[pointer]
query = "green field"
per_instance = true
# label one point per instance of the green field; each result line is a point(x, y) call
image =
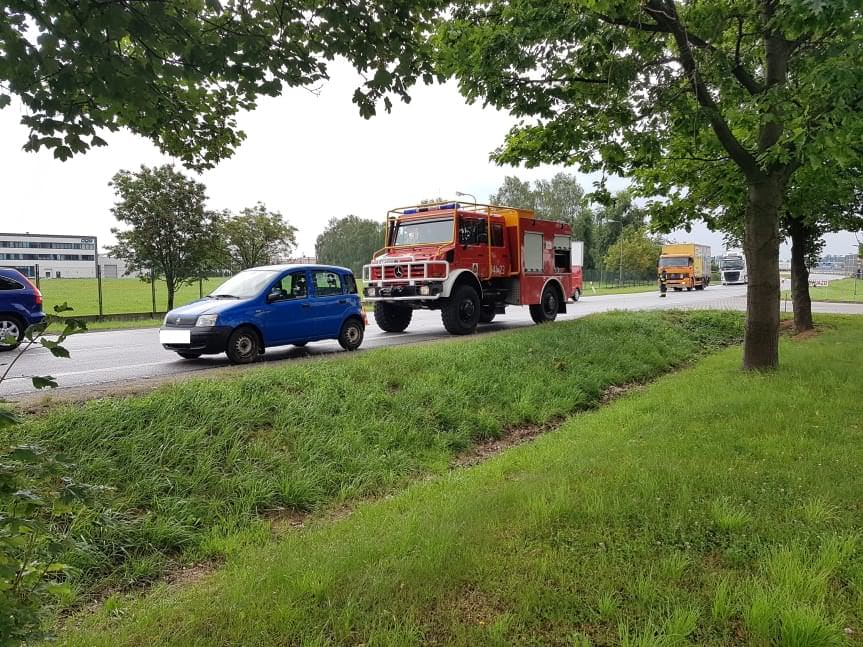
point(710, 508)
point(842, 290)
point(198, 465)
point(589, 291)
point(119, 296)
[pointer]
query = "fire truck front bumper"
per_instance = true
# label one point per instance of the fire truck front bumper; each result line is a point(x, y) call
point(424, 292)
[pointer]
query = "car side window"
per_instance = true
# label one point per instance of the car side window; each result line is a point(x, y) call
point(327, 283)
point(8, 284)
point(351, 284)
point(291, 286)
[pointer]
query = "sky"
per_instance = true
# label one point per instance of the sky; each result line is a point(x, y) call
point(307, 154)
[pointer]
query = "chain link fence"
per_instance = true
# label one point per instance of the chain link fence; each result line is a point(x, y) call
point(602, 279)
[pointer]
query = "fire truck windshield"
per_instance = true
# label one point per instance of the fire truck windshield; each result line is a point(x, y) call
point(423, 232)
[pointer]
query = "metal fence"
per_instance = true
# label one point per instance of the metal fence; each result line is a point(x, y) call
point(614, 279)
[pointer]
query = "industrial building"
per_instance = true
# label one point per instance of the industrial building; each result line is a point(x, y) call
point(52, 256)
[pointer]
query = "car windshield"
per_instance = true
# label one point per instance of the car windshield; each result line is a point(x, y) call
point(680, 261)
point(423, 232)
point(732, 264)
point(244, 285)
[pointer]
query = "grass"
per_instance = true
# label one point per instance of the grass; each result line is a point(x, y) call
point(119, 296)
point(846, 290)
point(196, 465)
point(122, 324)
point(711, 508)
point(588, 291)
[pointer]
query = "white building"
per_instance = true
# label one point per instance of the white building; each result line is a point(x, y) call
point(49, 255)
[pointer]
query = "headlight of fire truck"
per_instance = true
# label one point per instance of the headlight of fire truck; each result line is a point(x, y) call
point(371, 292)
point(425, 290)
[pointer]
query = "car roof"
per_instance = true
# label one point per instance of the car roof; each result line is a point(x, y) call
point(302, 266)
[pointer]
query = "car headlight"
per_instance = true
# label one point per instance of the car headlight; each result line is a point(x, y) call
point(206, 321)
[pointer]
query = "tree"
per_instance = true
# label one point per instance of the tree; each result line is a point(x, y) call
point(615, 214)
point(349, 242)
point(633, 251)
point(257, 236)
point(170, 234)
point(561, 198)
point(824, 199)
point(178, 72)
point(660, 90)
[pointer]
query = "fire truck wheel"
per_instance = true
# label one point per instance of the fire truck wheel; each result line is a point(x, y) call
point(577, 294)
point(486, 315)
point(461, 311)
point(391, 317)
point(546, 310)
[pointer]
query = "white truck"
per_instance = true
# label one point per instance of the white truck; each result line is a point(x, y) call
point(732, 268)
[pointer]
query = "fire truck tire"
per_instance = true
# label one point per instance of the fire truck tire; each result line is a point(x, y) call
point(486, 315)
point(391, 317)
point(546, 310)
point(576, 295)
point(461, 312)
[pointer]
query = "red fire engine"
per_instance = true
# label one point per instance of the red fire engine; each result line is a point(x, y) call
point(471, 262)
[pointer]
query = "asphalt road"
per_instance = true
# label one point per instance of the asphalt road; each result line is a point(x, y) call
point(116, 357)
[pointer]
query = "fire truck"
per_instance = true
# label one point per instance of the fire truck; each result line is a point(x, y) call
point(471, 261)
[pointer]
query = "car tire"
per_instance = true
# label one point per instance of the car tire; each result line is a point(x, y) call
point(186, 355)
point(392, 317)
point(486, 315)
point(11, 326)
point(460, 313)
point(244, 346)
point(351, 335)
point(546, 310)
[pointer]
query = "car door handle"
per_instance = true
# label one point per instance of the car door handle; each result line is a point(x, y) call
point(343, 300)
point(306, 305)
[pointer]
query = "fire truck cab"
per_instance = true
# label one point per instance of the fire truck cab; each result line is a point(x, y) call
point(470, 261)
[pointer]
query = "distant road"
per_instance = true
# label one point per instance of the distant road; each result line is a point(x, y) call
point(102, 359)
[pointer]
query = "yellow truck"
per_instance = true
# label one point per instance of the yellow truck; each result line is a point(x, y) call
point(686, 265)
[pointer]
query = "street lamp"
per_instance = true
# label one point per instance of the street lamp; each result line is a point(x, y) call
point(460, 193)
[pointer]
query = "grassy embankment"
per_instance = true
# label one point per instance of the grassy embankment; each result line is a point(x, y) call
point(197, 465)
point(590, 291)
point(712, 508)
point(846, 290)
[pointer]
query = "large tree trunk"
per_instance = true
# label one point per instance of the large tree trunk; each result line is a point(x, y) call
point(761, 244)
point(801, 241)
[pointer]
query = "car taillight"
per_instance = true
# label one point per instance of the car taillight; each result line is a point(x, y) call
point(36, 290)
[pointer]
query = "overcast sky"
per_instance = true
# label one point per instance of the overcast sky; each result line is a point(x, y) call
point(310, 156)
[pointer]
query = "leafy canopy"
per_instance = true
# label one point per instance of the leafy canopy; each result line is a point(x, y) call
point(178, 72)
point(664, 91)
point(257, 236)
point(349, 242)
point(167, 229)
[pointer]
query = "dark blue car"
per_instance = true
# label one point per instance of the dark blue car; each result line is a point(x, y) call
point(268, 306)
point(20, 307)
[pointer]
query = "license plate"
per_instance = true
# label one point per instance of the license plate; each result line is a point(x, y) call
point(175, 336)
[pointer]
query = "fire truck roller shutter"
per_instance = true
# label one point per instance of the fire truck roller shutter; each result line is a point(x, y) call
point(458, 276)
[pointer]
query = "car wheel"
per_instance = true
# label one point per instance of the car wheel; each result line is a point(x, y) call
point(392, 317)
point(486, 315)
point(186, 355)
point(546, 310)
point(243, 346)
point(351, 335)
point(461, 311)
point(10, 327)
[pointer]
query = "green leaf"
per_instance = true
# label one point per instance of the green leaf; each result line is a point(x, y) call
point(44, 382)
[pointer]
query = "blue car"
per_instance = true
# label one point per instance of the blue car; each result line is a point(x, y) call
point(20, 307)
point(268, 306)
